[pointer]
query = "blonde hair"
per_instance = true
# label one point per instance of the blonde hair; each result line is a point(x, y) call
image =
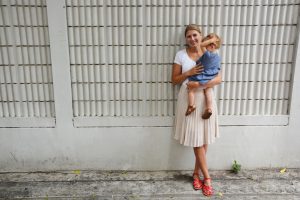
point(211, 35)
point(194, 27)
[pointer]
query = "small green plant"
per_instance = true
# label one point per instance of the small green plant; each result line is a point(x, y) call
point(236, 167)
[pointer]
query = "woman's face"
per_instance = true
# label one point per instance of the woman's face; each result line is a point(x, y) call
point(193, 38)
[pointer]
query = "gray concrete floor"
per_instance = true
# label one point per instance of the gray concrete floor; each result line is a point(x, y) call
point(175, 185)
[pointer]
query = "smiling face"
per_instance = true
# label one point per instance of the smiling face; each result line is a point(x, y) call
point(193, 38)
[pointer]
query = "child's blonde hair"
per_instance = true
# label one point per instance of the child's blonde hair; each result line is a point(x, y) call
point(211, 35)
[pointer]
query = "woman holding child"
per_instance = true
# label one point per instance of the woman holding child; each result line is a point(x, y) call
point(196, 122)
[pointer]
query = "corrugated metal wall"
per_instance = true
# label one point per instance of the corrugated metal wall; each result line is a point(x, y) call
point(121, 55)
point(25, 64)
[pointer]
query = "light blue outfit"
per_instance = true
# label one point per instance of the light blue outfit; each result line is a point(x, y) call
point(212, 65)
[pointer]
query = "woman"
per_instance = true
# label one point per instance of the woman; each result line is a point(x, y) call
point(192, 130)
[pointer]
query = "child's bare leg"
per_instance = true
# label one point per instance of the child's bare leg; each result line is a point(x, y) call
point(208, 100)
point(193, 85)
point(191, 102)
point(208, 97)
point(191, 97)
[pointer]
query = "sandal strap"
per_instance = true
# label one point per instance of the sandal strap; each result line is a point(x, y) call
point(207, 190)
point(197, 184)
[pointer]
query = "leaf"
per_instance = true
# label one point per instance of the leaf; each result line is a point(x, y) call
point(220, 194)
point(282, 170)
point(77, 172)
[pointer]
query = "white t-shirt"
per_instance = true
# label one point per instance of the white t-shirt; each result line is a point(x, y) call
point(183, 59)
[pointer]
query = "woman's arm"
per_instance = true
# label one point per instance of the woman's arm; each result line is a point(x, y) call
point(177, 75)
point(213, 82)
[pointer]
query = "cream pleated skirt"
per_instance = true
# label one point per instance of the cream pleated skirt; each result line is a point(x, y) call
point(192, 130)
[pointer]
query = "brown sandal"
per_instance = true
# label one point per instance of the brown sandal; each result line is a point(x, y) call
point(207, 113)
point(190, 109)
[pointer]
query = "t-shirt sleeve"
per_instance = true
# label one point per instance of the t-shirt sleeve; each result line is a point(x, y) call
point(178, 59)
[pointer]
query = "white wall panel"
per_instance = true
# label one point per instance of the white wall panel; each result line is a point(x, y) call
point(122, 51)
point(121, 54)
point(25, 63)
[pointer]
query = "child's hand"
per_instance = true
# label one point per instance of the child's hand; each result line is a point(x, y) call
point(214, 39)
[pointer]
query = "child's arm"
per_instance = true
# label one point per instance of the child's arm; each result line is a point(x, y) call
point(207, 42)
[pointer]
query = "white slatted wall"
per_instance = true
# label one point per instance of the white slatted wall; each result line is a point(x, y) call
point(121, 54)
point(26, 88)
point(259, 37)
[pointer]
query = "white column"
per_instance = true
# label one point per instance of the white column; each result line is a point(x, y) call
point(291, 139)
point(56, 10)
point(295, 81)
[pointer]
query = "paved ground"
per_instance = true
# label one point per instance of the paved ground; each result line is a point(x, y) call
point(176, 185)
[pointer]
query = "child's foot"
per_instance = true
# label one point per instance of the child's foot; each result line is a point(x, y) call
point(190, 109)
point(192, 85)
point(207, 113)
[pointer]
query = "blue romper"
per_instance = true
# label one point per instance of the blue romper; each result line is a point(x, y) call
point(212, 65)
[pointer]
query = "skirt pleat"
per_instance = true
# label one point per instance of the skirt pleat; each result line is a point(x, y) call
point(192, 130)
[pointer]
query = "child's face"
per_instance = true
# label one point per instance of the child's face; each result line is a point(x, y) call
point(211, 47)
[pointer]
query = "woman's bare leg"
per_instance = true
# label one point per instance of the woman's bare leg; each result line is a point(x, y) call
point(200, 154)
point(197, 165)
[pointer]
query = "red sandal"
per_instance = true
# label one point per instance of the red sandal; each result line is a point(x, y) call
point(207, 190)
point(197, 183)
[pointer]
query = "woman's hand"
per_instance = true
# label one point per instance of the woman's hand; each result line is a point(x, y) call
point(179, 77)
point(195, 70)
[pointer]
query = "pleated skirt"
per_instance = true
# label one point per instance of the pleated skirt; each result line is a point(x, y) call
point(192, 130)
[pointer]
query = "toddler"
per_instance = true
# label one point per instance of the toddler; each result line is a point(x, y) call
point(211, 62)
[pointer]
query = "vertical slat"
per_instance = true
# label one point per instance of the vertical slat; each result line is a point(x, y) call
point(41, 81)
point(80, 55)
point(5, 61)
point(94, 65)
point(98, 71)
point(105, 53)
point(19, 54)
point(48, 86)
point(86, 65)
point(27, 64)
point(72, 40)
point(34, 67)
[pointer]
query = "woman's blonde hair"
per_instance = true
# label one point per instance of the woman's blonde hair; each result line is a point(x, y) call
point(194, 27)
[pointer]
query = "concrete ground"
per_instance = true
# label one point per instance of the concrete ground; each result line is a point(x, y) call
point(115, 185)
